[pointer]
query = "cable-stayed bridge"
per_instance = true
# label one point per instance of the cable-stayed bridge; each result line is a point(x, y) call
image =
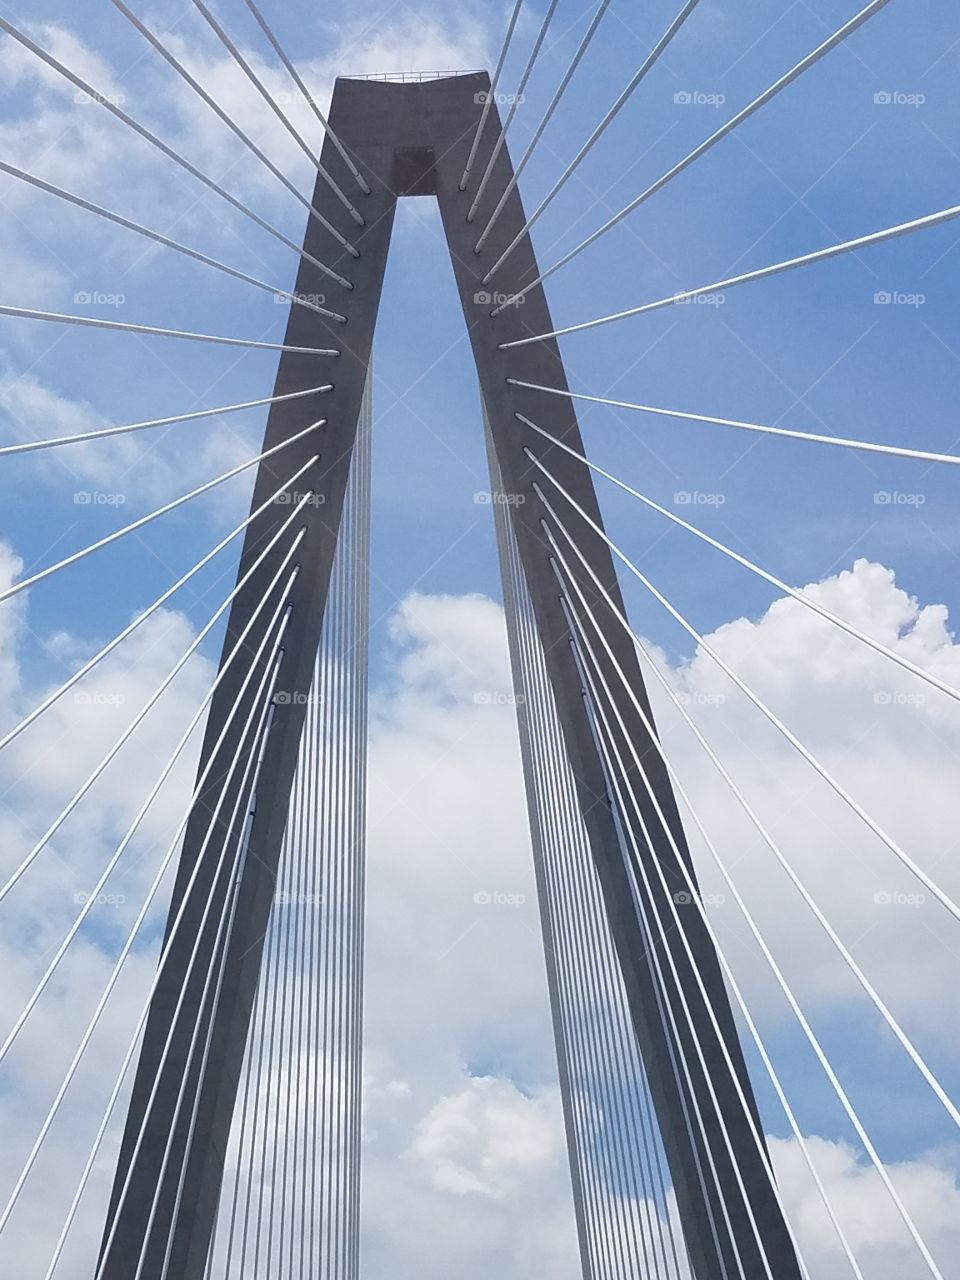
point(233, 1126)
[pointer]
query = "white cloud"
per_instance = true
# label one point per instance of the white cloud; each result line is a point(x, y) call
point(463, 1140)
point(489, 1140)
point(871, 1223)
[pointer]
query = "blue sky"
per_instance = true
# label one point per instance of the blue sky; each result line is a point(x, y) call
point(825, 162)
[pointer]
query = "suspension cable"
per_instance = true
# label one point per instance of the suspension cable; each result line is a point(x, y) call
point(868, 446)
point(770, 715)
point(269, 676)
point(648, 62)
point(25, 583)
point(517, 99)
point(547, 117)
point(786, 79)
point(104, 101)
point(238, 863)
point(26, 313)
point(607, 743)
point(274, 106)
point(92, 898)
point(159, 238)
point(824, 923)
point(812, 1039)
point(141, 715)
point(761, 273)
point(491, 96)
point(308, 96)
point(693, 891)
point(82, 437)
point(151, 609)
point(800, 596)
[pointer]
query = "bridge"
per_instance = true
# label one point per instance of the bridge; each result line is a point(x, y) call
point(744, 929)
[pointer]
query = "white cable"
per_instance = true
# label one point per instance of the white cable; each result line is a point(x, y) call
point(798, 884)
point(229, 121)
point(795, 742)
point(85, 786)
point(795, 880)
point(26, 313)
point(490, 97)
point(517, 99)
point(868, 446)
point(695, 896)
point(786, 79)
point(171, 937)
point(108, 1242)
point(128, 945)
point(148, 612)
point(84, 436)
point(25, 583)
point(681, 932)
point(298, 81)
point(601, 128)
point(281, 115)
point(799, 596)
point(696, 899)
point(547, 117)
point(104, 101)
point(762, 273)
point(807, 1029)
point(94, 894)
point(159, 238)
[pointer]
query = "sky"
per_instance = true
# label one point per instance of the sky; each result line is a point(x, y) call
point(865, 346)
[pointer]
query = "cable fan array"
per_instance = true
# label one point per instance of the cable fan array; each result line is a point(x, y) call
point(290, 1200)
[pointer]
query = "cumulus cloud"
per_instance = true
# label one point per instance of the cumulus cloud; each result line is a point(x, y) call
point(464, 1162)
